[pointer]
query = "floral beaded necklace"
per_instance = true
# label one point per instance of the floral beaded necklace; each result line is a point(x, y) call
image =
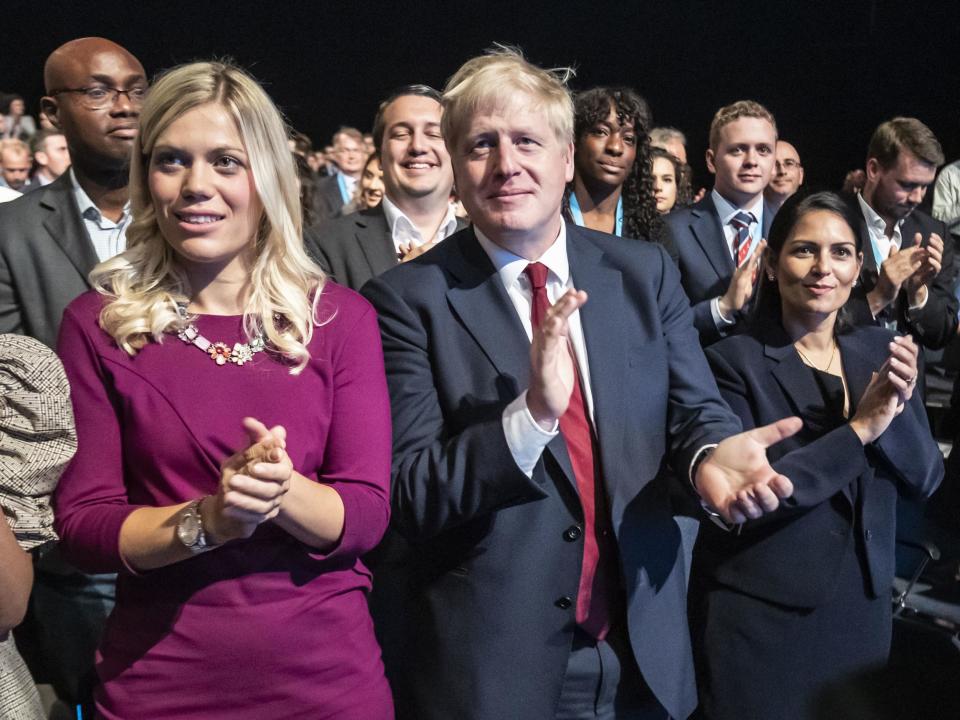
point(219, 352)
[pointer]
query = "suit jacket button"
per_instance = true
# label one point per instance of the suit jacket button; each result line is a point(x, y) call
point(572, 533)
point(564, 603)
point(868, 534)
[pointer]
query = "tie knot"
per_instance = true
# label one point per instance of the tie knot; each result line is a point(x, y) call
point(742, 220)
point(537, 273)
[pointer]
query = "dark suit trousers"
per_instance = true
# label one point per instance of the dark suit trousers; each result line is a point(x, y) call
point(603, 682)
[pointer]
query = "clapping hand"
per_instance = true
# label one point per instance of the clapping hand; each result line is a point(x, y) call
point(929, 268)
point(551, 362)
point(253, 483)
point(742, 283)
point(737, 480)
point(889, 389)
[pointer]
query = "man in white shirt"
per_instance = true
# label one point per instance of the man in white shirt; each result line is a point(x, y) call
point(908, 276)
point(545, 571)
point(946, 197)
point(415, 213)
point(718, 241)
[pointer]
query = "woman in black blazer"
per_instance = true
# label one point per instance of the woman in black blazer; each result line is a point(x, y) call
point(785, 605)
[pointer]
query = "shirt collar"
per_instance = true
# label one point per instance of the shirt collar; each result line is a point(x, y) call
point(876, 223)
point(726, 209)
point(86, 205)
point(396, 216)
point(510, 267)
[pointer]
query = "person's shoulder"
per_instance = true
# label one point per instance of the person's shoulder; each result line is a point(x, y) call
point(87, 305)
point(339, 306)
point(343, 228)
point(734, 347)
point(433, 267)
point(625, 253)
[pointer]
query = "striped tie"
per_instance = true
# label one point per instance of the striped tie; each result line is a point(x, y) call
point(741, 245)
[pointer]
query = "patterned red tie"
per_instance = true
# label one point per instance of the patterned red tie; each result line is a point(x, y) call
point(741, 223)
point(596, 576)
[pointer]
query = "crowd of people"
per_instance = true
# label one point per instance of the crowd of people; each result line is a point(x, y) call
point(487, 413)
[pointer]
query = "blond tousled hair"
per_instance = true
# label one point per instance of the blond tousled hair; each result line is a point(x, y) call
point(502, 78)
point(145, 283)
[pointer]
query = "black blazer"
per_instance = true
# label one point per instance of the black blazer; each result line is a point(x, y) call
point(792, 556)
point(45, 257)
point(936, 323)
point(694, 238)
point(327, 199)
point(355, 247)
point(488, 616)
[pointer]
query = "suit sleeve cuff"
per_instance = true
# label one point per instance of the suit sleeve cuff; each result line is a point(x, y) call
point(922, 304)
point(525, 438)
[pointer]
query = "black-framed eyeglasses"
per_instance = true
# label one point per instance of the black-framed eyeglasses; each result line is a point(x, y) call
point(99, 97)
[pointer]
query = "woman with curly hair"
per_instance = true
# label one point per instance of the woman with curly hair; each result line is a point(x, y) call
point(233, 431)
point(612, 188)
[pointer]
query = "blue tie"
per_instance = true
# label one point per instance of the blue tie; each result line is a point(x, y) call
point(741, 246)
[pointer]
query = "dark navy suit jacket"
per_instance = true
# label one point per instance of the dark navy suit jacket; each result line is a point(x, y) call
point(792, 557)
point(694, 238)
point(488, 614)
point(936, 323)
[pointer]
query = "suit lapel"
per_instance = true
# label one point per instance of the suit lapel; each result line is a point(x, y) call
point(705, 226)
point(605, 342)
point(373, 237)
point(482, 305)
point(66, 227)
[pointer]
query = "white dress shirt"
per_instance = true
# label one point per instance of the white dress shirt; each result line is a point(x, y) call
point(525, 438)
point(880, 244)
point(109, 238)
point(405, 232)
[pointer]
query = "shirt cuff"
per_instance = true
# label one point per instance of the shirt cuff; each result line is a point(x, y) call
point(525, 438)
point(926, 297)
point(718, 319)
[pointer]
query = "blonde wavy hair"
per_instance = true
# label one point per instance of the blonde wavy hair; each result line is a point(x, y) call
point(146, 284)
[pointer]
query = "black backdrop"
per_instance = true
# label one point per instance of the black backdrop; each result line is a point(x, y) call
point(830, 72)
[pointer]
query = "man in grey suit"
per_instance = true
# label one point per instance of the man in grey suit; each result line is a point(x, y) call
point(415, 213)
point(50, 240)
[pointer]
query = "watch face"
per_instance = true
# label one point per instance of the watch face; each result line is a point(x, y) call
point(188, 529)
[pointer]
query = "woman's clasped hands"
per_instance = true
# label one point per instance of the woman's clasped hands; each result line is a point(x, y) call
point(253, 484)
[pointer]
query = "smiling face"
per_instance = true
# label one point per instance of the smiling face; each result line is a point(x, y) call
point(203, 190)
point(743, 159)
point(414, 159)
point(788, 172)
point(606, 152)
point(664, 184)
point(817, 266)
point(371, 184)
point(511, 172)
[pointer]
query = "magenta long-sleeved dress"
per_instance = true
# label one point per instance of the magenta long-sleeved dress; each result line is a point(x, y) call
point(261, 628)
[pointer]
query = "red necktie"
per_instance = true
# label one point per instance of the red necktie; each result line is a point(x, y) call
point(594, 593)
point(741, 223)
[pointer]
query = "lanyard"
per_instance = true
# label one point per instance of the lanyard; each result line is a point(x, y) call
point(578, 215)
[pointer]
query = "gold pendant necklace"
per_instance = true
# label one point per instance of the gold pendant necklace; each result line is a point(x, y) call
point(809, 362)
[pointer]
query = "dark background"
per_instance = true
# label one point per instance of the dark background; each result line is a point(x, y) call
point(829, 72)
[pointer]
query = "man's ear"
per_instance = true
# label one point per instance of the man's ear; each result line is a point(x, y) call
point(873, 168)
point(710, 156)
point(50, 107)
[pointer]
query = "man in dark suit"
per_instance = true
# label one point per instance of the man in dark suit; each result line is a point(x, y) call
point(50, 239)
point(415, 213)
point(546, 578)
point(717, 242)
point(47, 247)
point(908, 275)
point(331, 193)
